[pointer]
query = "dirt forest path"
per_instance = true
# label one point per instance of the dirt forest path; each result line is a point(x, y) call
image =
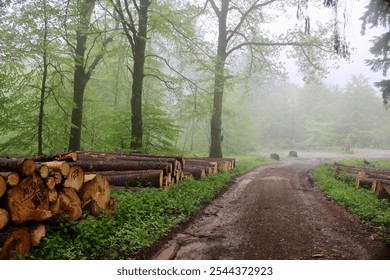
point(274, 212)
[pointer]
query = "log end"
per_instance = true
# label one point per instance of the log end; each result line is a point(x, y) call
point(17, 245)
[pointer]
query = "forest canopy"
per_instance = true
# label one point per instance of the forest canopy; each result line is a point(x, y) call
point(140, 76)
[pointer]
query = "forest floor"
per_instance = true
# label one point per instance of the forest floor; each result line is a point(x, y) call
point(275, 212)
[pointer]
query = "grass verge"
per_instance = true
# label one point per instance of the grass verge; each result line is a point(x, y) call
point(360, 201)
point(138, 221)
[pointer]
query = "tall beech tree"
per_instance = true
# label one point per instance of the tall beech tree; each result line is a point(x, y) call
point(83, 69)
point(237, 29)
point(133, 16)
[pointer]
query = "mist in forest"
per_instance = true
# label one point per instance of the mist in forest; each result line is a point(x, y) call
point(278, 115)
point(70, 84)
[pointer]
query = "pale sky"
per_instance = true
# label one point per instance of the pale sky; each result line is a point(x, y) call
point(359, 53)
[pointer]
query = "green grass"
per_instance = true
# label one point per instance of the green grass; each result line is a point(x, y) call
point(138, 221)
point(360, 201)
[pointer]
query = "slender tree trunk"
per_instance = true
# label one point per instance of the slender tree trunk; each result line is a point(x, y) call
point(138, 77)
point(219, 83)
point(43, 85)
point(80, 75)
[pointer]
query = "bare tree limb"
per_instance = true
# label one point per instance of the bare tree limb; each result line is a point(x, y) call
point(177, 72)
point(272, 44)
point(215, 8)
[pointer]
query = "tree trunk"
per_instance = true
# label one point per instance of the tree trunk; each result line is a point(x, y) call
point(43, 84)
point(138, 77)
point(80, 77)
point(219, 83)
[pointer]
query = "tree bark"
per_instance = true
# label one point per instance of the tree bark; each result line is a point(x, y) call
point(80, 77)
point(43, 83)
point(67, 156)
point(219, 83)
point(24, 167)
point(144, 178)
point(121, 165)
point(138, 76)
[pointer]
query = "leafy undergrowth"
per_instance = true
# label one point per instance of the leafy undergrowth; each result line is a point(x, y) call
point(139, 219)
point(360, 201)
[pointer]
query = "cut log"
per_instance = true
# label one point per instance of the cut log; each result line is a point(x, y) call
point(37, 232)
point(67, 205)
point(4, 218)
point(11, 178)
point(122, 165)
point(204, 164)
point(173, 163)
point(50, 183)
point(62, 167)
point(57, 177)
point(53, 196)
point(67, 156)
point(152, 157)
point(385, 191)
point(25, 167)
point(232, 161)
point(17, 245)
point(75, 179)
point(28, 201)
point(3, 186)
point(371, 172)
point(95, 193)
point(197, 173)
point(42, 169)
point(143, 178)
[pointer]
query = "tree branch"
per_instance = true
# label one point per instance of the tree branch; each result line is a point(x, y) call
point(271, 44)
point(244, 15)
point(215, 7)
point(177, 72)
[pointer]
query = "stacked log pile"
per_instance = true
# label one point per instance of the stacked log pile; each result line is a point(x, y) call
point(39, 189)
point(376, 179)
point(36, 190)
